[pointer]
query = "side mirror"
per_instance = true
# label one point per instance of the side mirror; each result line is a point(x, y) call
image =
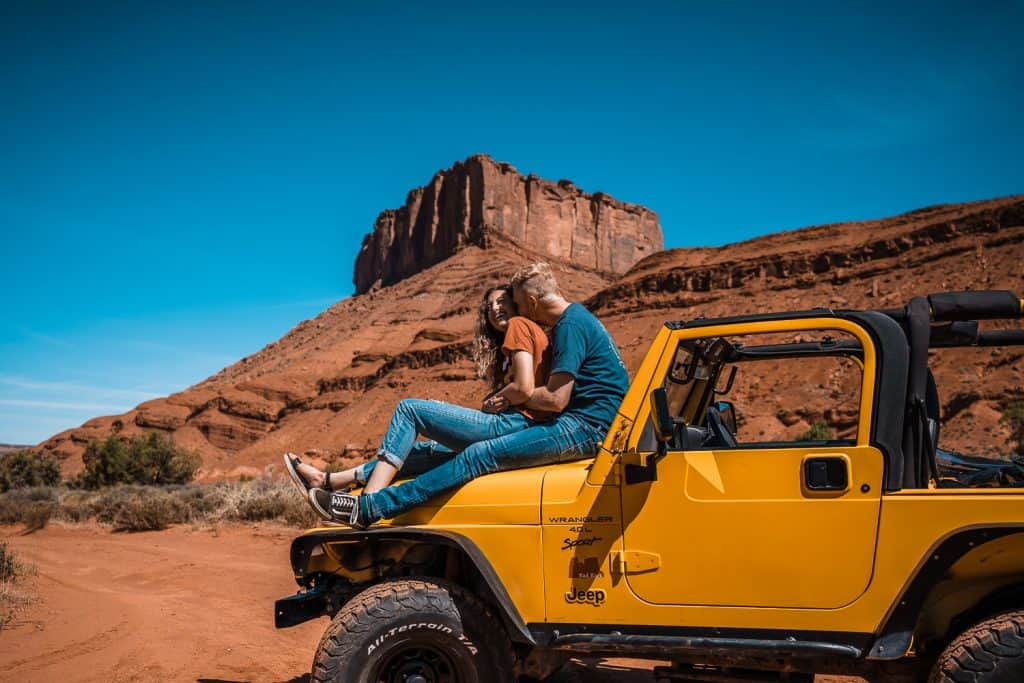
point(728, 412)
point(664, 430)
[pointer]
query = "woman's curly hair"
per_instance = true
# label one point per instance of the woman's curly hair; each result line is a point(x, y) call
point(487, 343)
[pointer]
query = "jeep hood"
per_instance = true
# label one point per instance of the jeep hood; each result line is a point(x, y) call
point(511, 497)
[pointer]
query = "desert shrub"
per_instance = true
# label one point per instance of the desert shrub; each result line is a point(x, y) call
point(17, 503)
point(142, 514)
point(150, 459)
point(204, 501)
point(1013, 417)
point(12, 570)
point(819, 431)
point(8, 565)
point(259, 508)
point(134, 507)
point(143, 509)
point(37, 516)
point(298, 513)
point(253, 501)
point(28, 468)
point(76, 506)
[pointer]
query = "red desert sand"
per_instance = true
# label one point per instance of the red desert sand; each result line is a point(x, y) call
point(177, 605)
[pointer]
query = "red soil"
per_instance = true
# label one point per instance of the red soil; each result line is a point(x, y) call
point(177, 605)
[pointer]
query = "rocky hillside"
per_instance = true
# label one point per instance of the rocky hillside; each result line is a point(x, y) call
point(328, 387)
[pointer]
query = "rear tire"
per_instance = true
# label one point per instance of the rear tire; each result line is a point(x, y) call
point(411, 627)
point(989, 652)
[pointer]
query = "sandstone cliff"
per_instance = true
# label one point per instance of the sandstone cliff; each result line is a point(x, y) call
point(472, 200)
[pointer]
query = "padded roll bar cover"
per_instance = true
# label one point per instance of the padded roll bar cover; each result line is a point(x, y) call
point(1001, 338)
point(987, 305)
point(956, 333)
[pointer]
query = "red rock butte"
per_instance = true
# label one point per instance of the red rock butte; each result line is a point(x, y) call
point(327, 388)
point(478, 198)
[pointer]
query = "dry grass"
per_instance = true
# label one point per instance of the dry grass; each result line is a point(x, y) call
point(12, 572)
point(150, 508)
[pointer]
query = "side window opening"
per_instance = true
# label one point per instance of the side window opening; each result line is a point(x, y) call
point(980, 401)
point(768, 390)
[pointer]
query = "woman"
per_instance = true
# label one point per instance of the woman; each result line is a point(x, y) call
point(511, 353)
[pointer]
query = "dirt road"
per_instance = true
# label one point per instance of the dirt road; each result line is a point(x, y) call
point(177, 605)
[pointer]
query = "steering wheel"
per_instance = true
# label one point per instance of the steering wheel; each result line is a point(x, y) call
point(720, 433)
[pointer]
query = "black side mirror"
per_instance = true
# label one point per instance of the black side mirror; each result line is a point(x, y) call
point(728, 412)
point(664, 432)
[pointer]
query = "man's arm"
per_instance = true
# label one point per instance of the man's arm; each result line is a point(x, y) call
point(555, 396)
point(516, 392)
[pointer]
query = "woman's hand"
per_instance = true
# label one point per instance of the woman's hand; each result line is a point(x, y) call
point(495, 404)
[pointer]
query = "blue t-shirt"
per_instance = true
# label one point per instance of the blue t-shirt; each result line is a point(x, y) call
point(582, 347)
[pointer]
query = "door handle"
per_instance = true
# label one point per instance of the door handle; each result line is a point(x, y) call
point(826, 473)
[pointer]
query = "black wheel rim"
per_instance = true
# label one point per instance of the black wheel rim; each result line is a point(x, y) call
point(416, 663)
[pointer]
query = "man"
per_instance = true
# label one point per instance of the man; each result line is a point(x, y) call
point(587, 382)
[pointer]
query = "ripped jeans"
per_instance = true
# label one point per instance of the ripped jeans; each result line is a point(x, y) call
point(474, 443)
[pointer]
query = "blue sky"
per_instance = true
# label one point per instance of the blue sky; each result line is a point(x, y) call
point(181, 183)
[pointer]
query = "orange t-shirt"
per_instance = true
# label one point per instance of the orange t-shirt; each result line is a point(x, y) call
point(523, 334)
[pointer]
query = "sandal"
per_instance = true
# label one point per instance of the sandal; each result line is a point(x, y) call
point(291, 466)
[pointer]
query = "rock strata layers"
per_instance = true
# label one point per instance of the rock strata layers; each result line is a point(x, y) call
point(465, 204)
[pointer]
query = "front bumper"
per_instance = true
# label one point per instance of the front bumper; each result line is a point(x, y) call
point(299, 608)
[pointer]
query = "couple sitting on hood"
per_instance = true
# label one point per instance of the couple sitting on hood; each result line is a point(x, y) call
point(550, 404)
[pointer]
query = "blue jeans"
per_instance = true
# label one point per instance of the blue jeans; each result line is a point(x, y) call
point(486, 443)
point(451, 428)
point(424, 456)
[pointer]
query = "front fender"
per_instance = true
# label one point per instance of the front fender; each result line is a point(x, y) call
point(302, 549)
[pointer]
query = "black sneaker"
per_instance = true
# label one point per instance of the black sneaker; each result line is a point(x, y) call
point(338, 507)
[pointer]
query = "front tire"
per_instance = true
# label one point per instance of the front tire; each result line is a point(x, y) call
point(989, 652)
point(418, 630)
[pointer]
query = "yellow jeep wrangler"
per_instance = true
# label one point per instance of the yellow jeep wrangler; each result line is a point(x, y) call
point(769, 503)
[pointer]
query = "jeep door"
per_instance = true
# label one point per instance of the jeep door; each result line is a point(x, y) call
point(786, 516)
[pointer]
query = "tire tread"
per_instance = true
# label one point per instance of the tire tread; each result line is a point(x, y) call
point(983, 652)
point(385, 600)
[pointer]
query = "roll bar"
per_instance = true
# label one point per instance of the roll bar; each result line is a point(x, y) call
point(960, 306)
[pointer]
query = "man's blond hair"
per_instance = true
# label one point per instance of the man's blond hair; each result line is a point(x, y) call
point(536, 280)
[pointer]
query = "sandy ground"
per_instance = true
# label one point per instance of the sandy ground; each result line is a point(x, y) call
point(177, 605)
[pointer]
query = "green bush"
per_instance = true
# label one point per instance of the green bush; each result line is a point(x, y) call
point(150, 459)
point(1013, 416)
point(106, 464)
point(28, 468)
point(155, 460)
point(819, 431)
